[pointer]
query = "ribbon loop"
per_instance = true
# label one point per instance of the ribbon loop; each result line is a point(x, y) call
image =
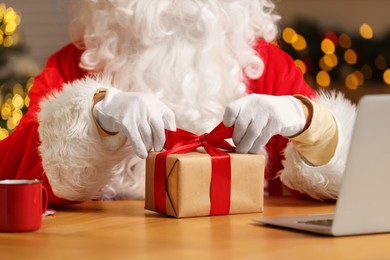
point(215, 138)
point(202, 139)
point(182, 141)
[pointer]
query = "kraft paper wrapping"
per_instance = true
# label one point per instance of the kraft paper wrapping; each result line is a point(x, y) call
point(188, 184)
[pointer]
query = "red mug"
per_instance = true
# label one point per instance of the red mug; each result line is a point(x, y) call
point(22, 204)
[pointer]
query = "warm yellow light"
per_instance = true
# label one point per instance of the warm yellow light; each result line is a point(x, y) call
point(359, 76)
point(6, 111)
point(289, 35)
point(330, 60)
point(27, 101)
point(386, 76)
point(18, 101)
point(323, 79)
point(8, 41)
point(3, 7)
point(327, 46)
point(351, 81)
point(10, 28)
point(366, 31)
point(8, 99)
point(300, 43)
point(300, 64)
point(323, 65)
point(18, 19)
point(11, 124)
point(345, 41)
point(350, 56)
point(3, 133)
point(17, 114)
point(9, 15)
point(18, 89)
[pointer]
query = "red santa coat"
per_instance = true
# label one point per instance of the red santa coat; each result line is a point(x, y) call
point(20, 156)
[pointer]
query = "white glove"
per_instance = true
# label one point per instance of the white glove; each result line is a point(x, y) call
point(257, 118)
point(140, 116)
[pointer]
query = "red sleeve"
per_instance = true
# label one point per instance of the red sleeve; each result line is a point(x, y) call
point(280, 77)
point(19, 152)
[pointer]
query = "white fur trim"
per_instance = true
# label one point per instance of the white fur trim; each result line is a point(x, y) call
point(322, 182)
point(78, 162)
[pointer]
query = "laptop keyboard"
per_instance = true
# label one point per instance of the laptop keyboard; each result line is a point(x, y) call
point(321, 222)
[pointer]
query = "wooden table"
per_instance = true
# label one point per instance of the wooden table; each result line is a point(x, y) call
point(124, 230)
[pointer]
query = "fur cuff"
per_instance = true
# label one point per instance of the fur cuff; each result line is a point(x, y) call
point(76, 159)
point(322, 182)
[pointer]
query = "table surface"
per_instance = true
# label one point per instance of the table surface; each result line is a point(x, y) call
point(125, 230)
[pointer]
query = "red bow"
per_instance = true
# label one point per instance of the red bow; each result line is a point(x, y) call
point(181, 141)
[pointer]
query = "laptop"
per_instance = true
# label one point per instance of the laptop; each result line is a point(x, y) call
point(363, 205)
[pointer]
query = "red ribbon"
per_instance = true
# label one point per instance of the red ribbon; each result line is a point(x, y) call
point(181, 141)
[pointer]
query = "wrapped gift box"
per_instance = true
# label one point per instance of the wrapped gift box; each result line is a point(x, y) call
point(188, 179)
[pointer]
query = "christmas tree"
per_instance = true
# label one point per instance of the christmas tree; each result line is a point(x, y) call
point(333, 56)
point(16, 71)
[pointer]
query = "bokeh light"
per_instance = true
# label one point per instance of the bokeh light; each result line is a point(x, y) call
point(327, 46)
point(345, 41)
point(386, 76)
point(323, 79)
point(3, 133)
point(330, 60)
point(350, 56)
point(300, 64)
point(9, 20)
point(323, 65)
point(289, 35)
point(351, 81)
point(300, 44)
point(366, 31)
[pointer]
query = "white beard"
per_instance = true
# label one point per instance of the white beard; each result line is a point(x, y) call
point(193, 55)
point(196, 84)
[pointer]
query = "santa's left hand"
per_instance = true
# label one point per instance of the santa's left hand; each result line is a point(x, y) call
point(256, 118)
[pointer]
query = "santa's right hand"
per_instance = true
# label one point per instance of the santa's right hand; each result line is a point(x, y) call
point(142, 117)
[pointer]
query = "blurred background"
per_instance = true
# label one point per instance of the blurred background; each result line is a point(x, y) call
point(338, 44)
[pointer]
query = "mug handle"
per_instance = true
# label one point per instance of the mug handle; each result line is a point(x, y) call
point(44, 200)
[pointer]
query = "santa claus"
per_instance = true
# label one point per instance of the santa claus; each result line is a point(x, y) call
point(137, 67)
